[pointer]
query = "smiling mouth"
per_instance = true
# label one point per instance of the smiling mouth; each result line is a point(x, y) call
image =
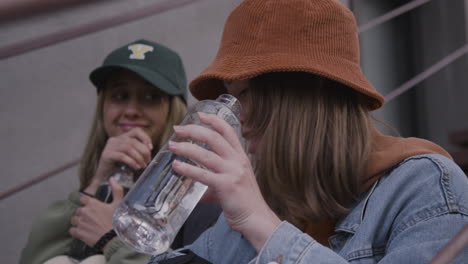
point(130, 126)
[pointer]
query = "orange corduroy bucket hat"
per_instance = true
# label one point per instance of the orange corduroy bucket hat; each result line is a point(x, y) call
point(262, 36)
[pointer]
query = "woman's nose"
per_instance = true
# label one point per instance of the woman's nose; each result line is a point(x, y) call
point(132, 108)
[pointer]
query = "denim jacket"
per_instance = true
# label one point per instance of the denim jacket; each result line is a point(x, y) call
point(407, 216)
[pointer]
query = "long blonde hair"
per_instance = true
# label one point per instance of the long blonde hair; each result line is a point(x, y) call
point(97, 137)
point(313, 147)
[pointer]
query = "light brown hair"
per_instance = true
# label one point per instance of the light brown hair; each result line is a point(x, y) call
point(97, 137)
point(314, 144)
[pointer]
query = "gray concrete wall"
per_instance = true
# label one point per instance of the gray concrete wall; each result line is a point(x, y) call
point(47, 102)
point(398, 50)
point(442, 98)
point(385, 59)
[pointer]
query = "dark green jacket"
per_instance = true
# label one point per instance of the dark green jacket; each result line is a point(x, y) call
point(50, 238)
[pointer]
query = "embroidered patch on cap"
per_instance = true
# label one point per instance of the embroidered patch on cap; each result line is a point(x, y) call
point(139, 50)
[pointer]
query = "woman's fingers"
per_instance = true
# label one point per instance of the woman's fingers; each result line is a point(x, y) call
point(137, 152)
point(141, 136)
point(137, 144)
point(205, 135)
point(223, 128)
point(196, 173)
point(132, 148)
point(74, 220)
point(126, 159)
point(94, 218)
point(198, 154)
point(123, 149)
point(117, 191)
point(224, 154)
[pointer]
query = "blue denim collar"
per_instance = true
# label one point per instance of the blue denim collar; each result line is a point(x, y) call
point(351, 222)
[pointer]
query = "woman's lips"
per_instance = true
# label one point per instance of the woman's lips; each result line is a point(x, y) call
point(128, 127)
point(245, 133)
point(252, 146)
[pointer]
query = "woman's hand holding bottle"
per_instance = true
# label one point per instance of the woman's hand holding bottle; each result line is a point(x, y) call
point(132, 148)
point(94, 218)
point(229, 176)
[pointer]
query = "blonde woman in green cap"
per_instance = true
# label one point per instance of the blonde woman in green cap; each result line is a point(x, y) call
point(141, 95)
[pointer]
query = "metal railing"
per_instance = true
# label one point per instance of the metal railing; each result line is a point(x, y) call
point(36, 43)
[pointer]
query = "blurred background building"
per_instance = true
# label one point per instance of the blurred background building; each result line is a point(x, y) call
point(412, 51)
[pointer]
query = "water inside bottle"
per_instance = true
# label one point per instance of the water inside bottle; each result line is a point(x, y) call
point(150, 224)
point(124, 175)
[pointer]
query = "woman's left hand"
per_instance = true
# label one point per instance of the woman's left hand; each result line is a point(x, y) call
point(229, 176)
point(94, 218)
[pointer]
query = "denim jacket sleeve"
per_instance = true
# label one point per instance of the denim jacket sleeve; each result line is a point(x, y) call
point(218, 244)
point(407, 217)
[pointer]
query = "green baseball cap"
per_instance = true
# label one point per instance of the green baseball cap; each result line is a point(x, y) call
point(157, 64)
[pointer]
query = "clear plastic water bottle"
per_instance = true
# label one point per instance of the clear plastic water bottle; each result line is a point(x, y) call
point(124, 175)
point(151, 214)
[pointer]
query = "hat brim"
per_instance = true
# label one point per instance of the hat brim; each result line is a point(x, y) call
point(100, 75)
point(209, 84)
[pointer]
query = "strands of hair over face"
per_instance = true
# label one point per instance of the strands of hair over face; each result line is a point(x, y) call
point(312, 151)
point(97, 139)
